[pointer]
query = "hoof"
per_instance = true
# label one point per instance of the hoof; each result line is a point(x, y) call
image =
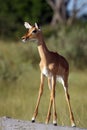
point(54, 123)
point(73, 125)
point(33, 120)
point(46, 122)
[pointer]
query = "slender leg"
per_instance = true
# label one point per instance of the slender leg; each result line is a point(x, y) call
point(50, 83)
point(69, 106)
point(39, 97)
point(49, 111)
point(52, 102)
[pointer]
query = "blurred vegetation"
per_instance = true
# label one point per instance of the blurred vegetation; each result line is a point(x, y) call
point(71, 42)
point(14, 13)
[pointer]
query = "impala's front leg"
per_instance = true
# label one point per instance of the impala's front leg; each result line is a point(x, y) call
point(52, 102)
point(39, 97)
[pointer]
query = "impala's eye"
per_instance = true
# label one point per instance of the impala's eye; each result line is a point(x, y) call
point(34, 31)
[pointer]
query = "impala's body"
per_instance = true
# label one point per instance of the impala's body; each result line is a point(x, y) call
point(54, 67)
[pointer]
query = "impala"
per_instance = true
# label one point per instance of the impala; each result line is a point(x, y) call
point(53, 66)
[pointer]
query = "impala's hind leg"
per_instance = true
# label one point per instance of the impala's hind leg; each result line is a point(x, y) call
point(54, 103)
point(69, 105)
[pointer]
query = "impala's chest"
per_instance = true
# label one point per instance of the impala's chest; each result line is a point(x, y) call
point(46, 72)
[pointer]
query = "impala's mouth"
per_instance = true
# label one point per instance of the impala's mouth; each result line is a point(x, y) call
point(23, 40)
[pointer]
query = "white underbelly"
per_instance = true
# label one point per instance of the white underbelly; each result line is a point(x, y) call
point(47, 73)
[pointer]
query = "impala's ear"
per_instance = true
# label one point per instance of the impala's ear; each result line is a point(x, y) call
point(36, 26)
point(27, 25)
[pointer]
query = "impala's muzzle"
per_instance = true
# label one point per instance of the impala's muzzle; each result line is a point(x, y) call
point(24, 39)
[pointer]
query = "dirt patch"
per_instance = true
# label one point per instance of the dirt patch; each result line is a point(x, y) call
point(7, 123)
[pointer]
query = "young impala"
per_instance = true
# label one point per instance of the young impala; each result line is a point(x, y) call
point(53, 66)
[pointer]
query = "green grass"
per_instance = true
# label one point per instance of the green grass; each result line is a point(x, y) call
point(19, 85)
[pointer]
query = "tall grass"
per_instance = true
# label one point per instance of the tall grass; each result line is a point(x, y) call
point(19, 84)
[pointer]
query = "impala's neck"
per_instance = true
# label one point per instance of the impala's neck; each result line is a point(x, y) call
point(42, 48)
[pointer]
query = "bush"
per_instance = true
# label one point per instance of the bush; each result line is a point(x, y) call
point(15, 59)
point(72, 43)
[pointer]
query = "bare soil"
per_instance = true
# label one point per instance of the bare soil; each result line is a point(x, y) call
point(7, 123)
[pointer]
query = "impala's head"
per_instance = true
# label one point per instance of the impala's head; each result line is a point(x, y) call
point(31, 33)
